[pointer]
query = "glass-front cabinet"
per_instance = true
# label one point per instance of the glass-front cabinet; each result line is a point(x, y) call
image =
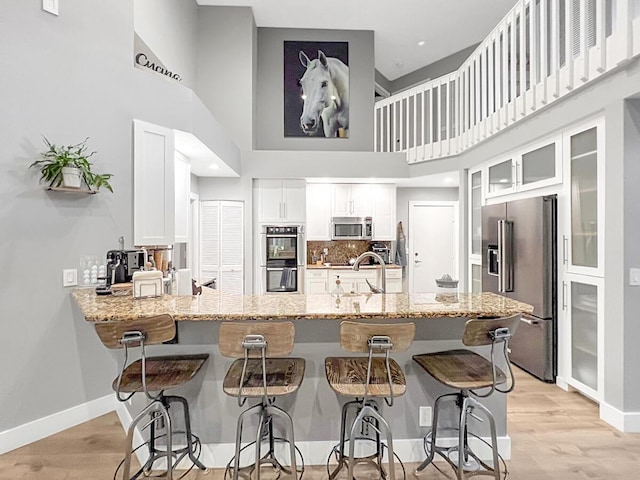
point(535, 166)
point(581, 268)
point(582, 362)
point(581, 246)
point(475, 232)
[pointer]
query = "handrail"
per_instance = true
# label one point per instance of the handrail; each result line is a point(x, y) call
point(539, 52)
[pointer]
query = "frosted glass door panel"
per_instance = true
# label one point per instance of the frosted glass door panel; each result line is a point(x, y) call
point(476, 278)
point(584, 333)
point(501, 176)
point(476, 213)
point(539, 164)
point(584, 199)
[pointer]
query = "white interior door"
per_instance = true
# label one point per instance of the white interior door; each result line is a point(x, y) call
point(433, 244)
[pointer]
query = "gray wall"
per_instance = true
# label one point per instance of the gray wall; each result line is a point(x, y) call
point(270, 91)
point(432, 71)
point(168, 27)
point(83, 84)
point(225, 68)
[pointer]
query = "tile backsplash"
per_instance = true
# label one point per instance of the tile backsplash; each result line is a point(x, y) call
point(340, 251)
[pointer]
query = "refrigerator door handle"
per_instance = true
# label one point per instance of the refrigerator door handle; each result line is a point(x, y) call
point(505, 256)
point(530, 321)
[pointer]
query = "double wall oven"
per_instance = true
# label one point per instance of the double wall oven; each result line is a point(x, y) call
point(283, 258)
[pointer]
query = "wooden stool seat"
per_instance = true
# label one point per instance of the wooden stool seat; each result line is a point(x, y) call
point(162, 372)
point(460, 369)
point(348, 376)
point(284, 376)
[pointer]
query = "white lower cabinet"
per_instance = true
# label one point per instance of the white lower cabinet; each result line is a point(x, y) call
point(581, 361)
point(324, 280)
point(394, 280)
point(316, 281)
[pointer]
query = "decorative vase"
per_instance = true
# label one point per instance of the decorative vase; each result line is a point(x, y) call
point(71, 177)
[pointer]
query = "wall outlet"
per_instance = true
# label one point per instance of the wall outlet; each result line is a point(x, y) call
point(425, 416)
point(70, 277)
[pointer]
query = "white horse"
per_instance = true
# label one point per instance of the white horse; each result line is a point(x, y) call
point(325, 90)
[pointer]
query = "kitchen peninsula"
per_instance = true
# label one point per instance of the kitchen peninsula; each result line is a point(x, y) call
point(215, 306)
point(315, 409)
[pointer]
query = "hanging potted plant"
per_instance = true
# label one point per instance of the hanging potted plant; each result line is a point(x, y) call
point(69, 166)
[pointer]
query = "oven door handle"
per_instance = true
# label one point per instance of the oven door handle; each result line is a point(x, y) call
point(280, 269)
point(276, 235)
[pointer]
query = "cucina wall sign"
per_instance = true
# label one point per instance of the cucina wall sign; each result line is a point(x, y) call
point(143, 60)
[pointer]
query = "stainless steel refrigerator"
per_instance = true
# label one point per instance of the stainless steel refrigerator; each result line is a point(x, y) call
point(519, 262)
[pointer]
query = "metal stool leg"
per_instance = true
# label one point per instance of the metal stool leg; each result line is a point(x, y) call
point(273, 410)
point(434, 429)
point(369, 411)
point(153, 407)
point(494, 437)
point(187, 426)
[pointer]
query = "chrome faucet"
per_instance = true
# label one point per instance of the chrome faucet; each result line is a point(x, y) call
point(356, 267)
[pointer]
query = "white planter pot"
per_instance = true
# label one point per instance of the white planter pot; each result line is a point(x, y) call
point(71, 177)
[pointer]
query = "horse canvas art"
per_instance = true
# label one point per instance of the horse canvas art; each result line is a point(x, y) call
point(320, 102)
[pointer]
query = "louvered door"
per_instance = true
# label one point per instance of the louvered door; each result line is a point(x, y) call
point(222, 244)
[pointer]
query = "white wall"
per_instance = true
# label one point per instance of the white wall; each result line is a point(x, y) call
point(168, 27)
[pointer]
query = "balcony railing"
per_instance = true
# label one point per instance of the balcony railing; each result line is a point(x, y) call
point(541, 51)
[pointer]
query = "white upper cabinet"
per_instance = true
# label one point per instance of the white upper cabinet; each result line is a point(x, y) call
point(281, 200)
point(154, 185)
point(183, 188)
point(352, 200)
point(319, 211)
point(534, 167)
point(384, 212)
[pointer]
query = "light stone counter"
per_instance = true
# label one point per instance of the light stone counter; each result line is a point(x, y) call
point(214, 306)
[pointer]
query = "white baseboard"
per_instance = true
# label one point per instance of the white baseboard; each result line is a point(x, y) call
point(57, 422)
point(628, 422)
point(316, 453)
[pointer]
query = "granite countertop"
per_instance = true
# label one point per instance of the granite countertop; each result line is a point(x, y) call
point(214, 306)
point(341, 266)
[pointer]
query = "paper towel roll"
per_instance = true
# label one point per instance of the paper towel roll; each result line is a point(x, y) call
point(183, 281)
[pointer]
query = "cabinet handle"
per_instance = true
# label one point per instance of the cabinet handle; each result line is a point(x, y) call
point(284, 208)
point(564, 295)
point(565, 246)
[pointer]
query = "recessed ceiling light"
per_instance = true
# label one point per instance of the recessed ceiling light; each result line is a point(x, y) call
point(448, 180)
point(421, 43)
point(213, 166)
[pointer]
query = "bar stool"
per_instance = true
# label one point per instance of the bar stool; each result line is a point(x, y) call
point(469, 372)
point(153, 374)
point(366, 379)
point(262, 371)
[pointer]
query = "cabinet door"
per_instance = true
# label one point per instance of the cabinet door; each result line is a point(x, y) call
point(580, 341)
point(540, 167)
point(222, 244)
point(362, 200)
point(500, 178)
point(384, 212)
point(341, 204)
point(582, 249)
point(318, 221)
point(294, 199)
point(270, 208)
point(153, 185)
point(183, 188)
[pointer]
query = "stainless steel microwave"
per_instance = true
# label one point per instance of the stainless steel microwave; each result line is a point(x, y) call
point(351, 228)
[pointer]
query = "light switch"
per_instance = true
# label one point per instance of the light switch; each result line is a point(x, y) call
point(70, 277)
point(634, 277)
point(50, 6)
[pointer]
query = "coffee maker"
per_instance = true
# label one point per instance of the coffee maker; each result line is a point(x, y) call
point(122, 263)
point(383, 250)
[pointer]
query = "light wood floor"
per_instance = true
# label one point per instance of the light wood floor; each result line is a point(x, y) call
point(555, 436)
